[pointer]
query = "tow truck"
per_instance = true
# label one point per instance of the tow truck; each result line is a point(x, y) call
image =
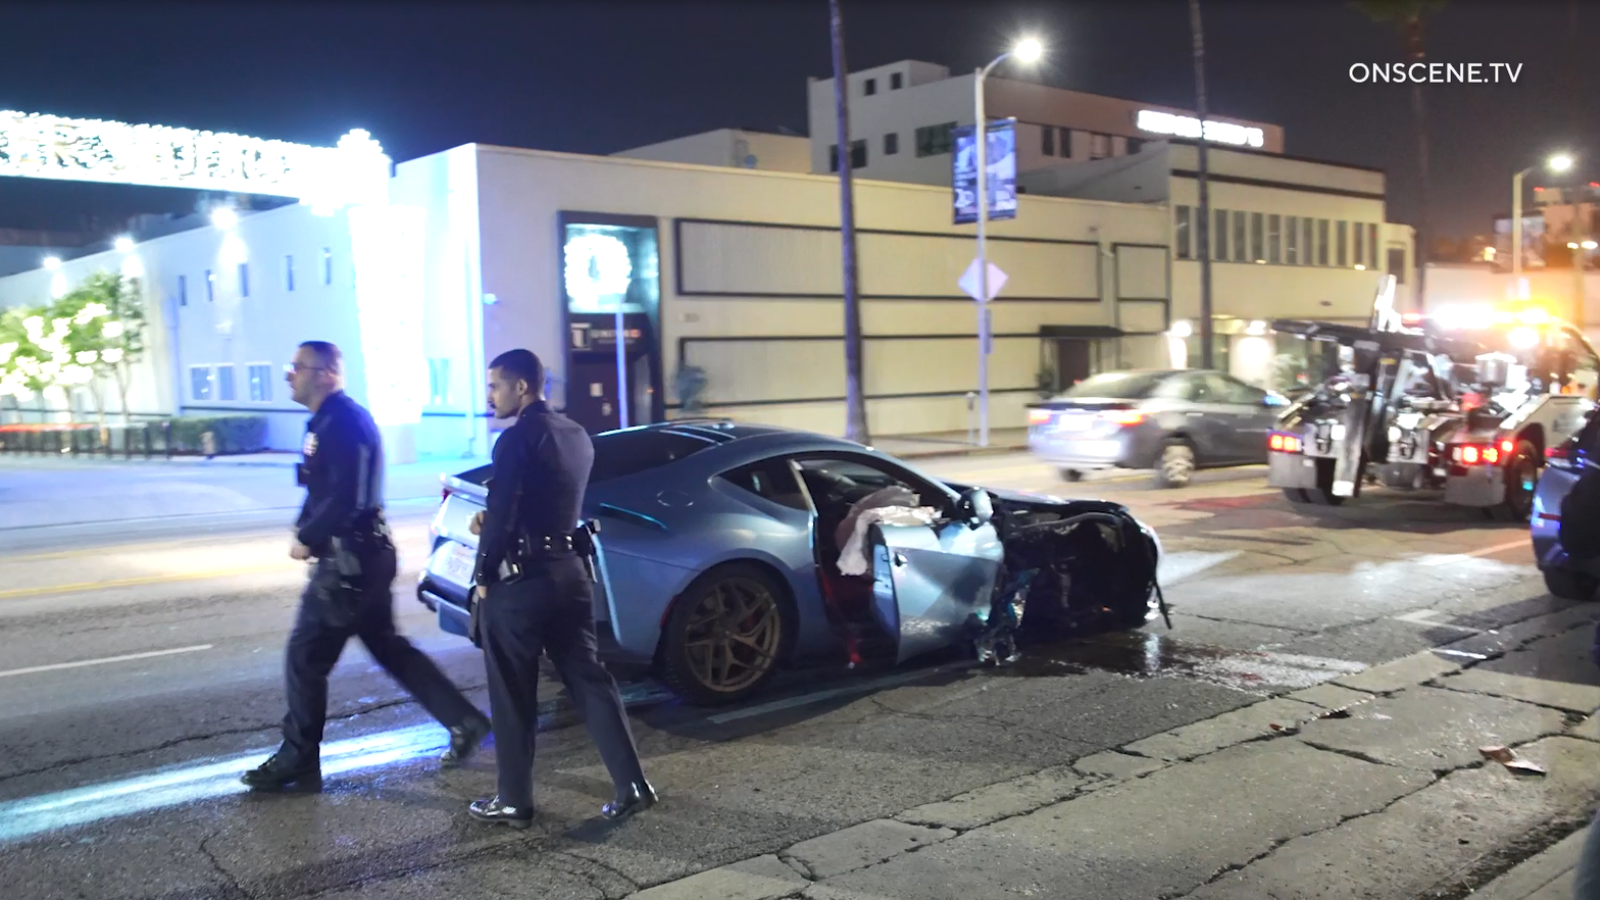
point(1466, 400)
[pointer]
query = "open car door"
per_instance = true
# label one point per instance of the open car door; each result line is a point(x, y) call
point(931, 583)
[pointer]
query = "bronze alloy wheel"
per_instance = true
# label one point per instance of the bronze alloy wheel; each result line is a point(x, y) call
point(724, 639)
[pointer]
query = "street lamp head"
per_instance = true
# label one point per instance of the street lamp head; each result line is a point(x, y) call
point(1560, 162)
point(224, 218)
point(1028, 50)
point(124, 244)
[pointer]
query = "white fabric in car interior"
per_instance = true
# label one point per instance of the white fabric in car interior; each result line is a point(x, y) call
point(893, 495)
point(853, 556)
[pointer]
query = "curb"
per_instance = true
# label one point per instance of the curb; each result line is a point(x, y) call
point(943, 453)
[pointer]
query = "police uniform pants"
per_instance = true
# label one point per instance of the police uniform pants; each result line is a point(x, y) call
point(549, 609)
point(316, 643)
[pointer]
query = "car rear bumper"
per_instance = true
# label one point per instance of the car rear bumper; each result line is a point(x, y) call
point(1476, 486)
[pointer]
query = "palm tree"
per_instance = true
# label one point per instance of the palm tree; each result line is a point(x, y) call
point(1407, 17)
point(855, 428)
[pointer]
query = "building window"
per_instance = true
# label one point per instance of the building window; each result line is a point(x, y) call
point(896, 81)
point(871, 86)
point(288, 274)
point(1181, 235)
point(1258, 251)
point(211, 286)
point(327, 265)
point(1219, 236)
point(439, 382)
point(1397, 264)
point(1241, 250)
point(1322, 242)
point(1135, 145)
point(1292, 248)
point(1064, 142)
point(200, 382)
point(1099, 146)
point(933, 140)
point(183, 291)
point(858, 155)
point(244, 279)
point(1342, 230)
point(225, 383)
point(1307, 254)
point(260, 383)
point(1047, 141)
point(1359, 252)
point(1372, 246)
point(1274, 239)
point(891, 144)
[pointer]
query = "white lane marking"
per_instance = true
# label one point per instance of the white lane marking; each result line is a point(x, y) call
point(1459, 653)
point(1427, 617)
point(55, 667)
point(804, 699)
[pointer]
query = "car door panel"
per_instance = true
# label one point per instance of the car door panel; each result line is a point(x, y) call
point(930, 581)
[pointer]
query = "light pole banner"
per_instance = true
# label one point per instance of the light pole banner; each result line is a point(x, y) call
point(1002, 177)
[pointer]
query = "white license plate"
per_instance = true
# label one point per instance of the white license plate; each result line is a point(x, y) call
point(456, 563)
point(1338, 431)
point(1073, 422)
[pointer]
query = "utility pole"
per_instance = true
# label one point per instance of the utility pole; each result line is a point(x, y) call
point(1203, 232)
point(855, 428)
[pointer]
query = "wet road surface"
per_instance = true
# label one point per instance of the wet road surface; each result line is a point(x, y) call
point(140, 674)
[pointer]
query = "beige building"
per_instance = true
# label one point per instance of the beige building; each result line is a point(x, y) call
point(901, 115)
point(739, 148)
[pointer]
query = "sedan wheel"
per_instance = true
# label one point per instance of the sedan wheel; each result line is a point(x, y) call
point(1176, 465)
point(725, 636)
point(1569, 585)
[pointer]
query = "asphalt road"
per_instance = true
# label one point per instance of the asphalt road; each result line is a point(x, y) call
point(140, 671)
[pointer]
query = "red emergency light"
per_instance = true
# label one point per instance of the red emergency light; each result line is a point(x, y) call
point(1284, 443)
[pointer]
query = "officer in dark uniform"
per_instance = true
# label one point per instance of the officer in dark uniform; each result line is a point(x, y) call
point(341, 526)
point(534, 593)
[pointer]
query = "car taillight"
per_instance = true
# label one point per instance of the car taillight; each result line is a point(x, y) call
point(1506, 447)
point(1557, 452)
point(1471, 455)
point(1038, 416)
point(1285, 443)
point(1123, 416)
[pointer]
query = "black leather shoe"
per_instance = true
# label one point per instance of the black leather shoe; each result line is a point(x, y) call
point(495, 812)
point(637, 798)
point(464, 741)
point(282, 772)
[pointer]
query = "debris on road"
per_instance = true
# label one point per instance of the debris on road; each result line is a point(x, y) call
point(1508, 757)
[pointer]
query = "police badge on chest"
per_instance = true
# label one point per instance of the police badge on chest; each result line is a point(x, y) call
point(308, 449)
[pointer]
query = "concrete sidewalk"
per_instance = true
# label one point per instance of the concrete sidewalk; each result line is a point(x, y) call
point(1371, 785)
point(1547, 876)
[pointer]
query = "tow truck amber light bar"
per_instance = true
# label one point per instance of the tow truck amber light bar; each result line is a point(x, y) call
point(1284, 443)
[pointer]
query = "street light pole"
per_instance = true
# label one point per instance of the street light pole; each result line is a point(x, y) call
point(1516, 231)
point(1028, 50)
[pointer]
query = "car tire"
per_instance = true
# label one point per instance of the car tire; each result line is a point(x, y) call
point(1296, 495)
point(1521, 478)
point(1322, 494)
point(1570, 585)
point(1175, 465)
point(1071, 474)
point(693, 649)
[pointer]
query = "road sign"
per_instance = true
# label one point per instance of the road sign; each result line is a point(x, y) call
point(969, 282)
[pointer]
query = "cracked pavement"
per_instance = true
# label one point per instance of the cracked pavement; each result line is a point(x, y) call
point(1320, 703)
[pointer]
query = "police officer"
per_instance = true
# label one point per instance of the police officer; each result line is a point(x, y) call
point(341, 526)
point(534, 593)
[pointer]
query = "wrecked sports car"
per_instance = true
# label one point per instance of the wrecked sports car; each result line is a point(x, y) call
point(728, 551)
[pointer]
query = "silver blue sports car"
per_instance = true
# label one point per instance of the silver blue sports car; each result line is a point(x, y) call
point(720, 556)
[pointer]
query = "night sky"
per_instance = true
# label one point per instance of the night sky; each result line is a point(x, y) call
point(597, 76)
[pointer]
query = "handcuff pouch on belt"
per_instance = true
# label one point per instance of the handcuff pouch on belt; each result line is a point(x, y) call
point(338, 578)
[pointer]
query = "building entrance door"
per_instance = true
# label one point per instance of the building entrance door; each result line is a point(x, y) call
point(592, 393)
point(1075, 361)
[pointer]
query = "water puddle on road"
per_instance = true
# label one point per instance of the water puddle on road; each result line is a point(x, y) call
point(1150, 655)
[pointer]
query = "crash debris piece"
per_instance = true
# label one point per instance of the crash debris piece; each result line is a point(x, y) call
point(1508, 757)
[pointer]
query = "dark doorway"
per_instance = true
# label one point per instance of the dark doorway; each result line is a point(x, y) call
point(1076, 359)
point(593, 399)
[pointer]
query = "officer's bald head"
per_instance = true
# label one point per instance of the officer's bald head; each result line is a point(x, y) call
point(327, 356)
point(318, 371)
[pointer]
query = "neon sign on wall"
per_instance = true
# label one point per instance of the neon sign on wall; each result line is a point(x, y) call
point(44, 146)
point(1189, 127)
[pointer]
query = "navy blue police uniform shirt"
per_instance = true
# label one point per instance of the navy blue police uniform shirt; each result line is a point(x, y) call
point(549, 456)
point(342, 470)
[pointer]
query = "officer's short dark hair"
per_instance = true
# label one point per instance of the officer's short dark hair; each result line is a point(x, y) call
point(327, 353)
point(520, 363)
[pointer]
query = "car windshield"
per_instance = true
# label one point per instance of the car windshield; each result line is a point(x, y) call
point(1114, 386)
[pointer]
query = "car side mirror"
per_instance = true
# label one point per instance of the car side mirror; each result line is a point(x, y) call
point(975, 507)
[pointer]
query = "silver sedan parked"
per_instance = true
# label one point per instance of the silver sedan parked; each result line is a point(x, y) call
point(1173, 421)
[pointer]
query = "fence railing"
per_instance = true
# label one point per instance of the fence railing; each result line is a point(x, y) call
point(147, 440)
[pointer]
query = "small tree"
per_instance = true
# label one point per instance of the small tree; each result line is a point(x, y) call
point(31, 355)
point(106, 333)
